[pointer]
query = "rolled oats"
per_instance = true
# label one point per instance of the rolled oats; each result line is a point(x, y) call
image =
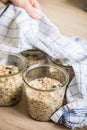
point(42, 102)
point(10, 85)
point(35, 57)
point(68, 69)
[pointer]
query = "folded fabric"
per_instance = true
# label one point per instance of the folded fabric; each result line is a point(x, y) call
point(19, 32)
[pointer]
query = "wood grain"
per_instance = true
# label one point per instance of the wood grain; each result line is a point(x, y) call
point(68, 15)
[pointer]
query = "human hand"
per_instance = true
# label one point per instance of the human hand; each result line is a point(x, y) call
point(29, 5)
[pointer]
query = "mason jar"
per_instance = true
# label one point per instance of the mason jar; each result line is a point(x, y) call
point(68, 68)
point(11, 84)
point(35, 56)
point(44, 89)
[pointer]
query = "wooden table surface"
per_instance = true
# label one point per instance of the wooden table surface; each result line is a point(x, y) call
point(67, 15)
point(17, 118)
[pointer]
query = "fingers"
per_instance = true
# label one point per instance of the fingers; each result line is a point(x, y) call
point(31, 10)
point(30, 6)
point(36, 5)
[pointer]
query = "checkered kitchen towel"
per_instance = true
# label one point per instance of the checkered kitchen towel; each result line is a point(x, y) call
point(19, 32)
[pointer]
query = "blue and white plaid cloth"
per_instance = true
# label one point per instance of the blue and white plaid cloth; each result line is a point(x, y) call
point(19, 32)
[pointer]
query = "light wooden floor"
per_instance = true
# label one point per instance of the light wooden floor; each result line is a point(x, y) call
point(68, 15)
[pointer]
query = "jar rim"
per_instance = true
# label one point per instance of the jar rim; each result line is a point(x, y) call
point(18, 56)
point(50, 59)
point(45, 65)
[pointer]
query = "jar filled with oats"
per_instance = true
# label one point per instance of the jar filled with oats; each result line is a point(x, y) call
point(35, 56)
point(11, 83)
point(68, 68)
point(44, 88)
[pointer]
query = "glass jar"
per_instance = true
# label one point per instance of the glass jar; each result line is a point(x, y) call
point(57, 62)
point(11, 83)
point(35, 56)
point(44, 88)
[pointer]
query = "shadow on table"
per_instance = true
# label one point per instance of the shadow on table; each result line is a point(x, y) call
point(21, 107)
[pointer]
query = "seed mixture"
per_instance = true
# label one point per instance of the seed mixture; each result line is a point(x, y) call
point(45, 83)
point(35, 57)
point(8, 70)
point(68, 69)
point(42, 104)
point(10, 85)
